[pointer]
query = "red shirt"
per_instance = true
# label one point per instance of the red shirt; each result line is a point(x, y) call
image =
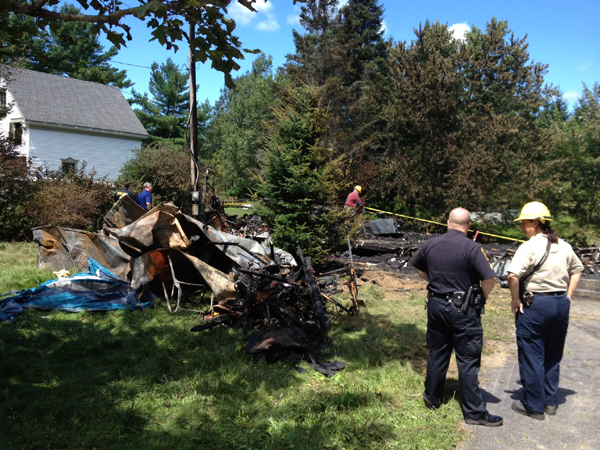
point(353, 200)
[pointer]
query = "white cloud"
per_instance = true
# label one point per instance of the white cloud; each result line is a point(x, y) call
point(342, 3)
point(571, 96)
point(263, 6)
point(384, 27)
point(241, 14)
point(459, 30)
point(585, 66)
point(294, 19)
point(267, 25)
point(264, 15)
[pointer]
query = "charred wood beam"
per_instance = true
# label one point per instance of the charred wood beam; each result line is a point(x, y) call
point(249, 299)
point(337, 304)
point(334, 272)
point(296, 274)
point(269, 276)
point(225, 318)
point(315, 294)
point(287, 316)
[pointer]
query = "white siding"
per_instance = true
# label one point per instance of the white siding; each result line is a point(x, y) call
point(14, 115)
point(103, 153)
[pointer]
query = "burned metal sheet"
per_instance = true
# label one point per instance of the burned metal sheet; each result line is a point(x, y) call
point(154, 266)
point(63, 248)
point(124, 212)
point(381, 227)
point(246, 253)
point(158, 228)
point(220, 284)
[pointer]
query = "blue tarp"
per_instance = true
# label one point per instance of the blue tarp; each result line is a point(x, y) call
point(95, 290)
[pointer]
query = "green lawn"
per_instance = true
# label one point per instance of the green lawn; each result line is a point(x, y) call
point(141, 379)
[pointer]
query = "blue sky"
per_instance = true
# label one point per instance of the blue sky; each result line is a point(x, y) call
point(564, 35)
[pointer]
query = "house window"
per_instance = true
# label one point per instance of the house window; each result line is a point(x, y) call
point(69, 165)
point(15, 133)
point(2, 97)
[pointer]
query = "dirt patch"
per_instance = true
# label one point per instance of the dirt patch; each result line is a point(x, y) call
point(391, 281)
point(495, 352)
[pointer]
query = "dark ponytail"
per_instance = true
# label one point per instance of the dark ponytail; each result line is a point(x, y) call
point(549, 231)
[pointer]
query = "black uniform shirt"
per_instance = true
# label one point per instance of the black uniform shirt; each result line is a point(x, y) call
point(122, 193)
point(453, 262)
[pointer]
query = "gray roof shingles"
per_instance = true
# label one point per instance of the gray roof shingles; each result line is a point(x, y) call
point(55, 99)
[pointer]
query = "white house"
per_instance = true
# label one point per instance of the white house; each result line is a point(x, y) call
point(62, 122)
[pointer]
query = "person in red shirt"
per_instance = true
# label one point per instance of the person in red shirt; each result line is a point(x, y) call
point(353, 200)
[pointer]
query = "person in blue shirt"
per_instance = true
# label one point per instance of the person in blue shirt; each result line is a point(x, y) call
point(123, 192)
point(145, 197)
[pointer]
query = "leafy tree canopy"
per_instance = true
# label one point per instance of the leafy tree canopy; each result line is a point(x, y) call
point(236, 133)
point(69, 48)
point(168, 20)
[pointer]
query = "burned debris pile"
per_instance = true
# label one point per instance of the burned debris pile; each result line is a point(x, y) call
point(384, 245)
point(282, 307)
point(273, 297)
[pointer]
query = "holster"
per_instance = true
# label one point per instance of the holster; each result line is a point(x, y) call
point(457, 298)
point(526, 297)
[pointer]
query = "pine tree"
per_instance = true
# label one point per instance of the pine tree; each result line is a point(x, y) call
point(165, 114)
point(298, 177)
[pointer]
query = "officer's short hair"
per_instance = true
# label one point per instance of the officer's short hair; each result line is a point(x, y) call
point(147, 184)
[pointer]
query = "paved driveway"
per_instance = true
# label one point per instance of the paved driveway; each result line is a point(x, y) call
point(576, 424)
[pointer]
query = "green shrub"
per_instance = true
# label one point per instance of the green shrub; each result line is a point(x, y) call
point(16, 190)
point(72, 200)
point(166, 166)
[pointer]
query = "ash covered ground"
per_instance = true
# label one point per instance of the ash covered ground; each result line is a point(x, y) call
point(393, 252)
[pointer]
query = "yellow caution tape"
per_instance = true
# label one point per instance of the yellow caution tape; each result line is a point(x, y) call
point(442, 224)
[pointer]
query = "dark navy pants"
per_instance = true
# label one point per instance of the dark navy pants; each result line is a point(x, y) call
point(541, 333)
point(447, 329)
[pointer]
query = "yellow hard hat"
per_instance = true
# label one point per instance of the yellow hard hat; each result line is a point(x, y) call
point(535, 211)
point(358, 188)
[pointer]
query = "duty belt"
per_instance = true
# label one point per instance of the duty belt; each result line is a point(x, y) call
point(456, 298)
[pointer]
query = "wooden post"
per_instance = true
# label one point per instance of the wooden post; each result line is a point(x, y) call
point(193, 114)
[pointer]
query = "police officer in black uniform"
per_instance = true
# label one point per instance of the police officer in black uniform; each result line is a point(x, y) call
point(452, 263)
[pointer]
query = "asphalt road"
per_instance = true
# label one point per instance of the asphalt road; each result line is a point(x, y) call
point(576, 424)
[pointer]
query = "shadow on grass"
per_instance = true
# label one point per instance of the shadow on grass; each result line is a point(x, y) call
point(141, 379)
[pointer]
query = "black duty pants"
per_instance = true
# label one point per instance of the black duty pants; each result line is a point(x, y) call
point(448, 328)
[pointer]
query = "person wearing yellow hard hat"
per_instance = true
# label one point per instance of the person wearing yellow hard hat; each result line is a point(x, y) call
point(542, 277)
point(353, 200)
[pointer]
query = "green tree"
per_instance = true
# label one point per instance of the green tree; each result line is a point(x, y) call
point(165, 115)
point(298, 177)
point(365, 86)
point(463, 122)
point(214, 40)
point(238, 126)
point(574, 166)
point(316, 58)
point(343, 53)
point(16, 190)
point(68, 48)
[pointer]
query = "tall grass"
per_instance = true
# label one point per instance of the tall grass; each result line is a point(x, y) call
point(18, 266)
point(141, 379)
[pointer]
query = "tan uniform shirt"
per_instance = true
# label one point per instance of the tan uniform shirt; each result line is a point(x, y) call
point(556, 271)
